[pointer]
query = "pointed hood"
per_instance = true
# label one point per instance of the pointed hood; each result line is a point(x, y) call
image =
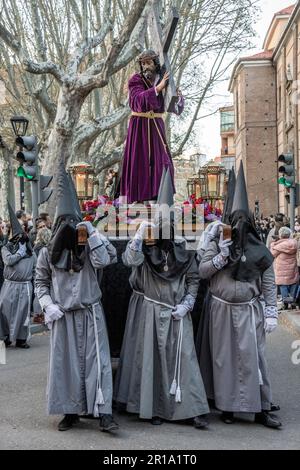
point(75, 197)
point(161, 183)
point(249, 256)
point(166, 191)
point(229, 197)
point(67, 204)
point(65, 253)
point(16, 228)
point(240, 200)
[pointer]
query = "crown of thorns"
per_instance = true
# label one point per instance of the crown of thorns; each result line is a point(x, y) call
point(147, 55)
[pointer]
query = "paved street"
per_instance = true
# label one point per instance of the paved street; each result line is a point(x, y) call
point(24, 424)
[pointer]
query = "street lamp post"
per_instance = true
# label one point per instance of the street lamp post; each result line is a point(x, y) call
point(212, 182)
point(20, 125)
point(83, 176)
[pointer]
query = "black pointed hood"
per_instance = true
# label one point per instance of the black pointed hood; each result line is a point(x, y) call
point(18, 235)
point(67, 203)
point(240, 200)
point(64, 251)
point(75, 197)
point(249, 257)
point(229, 197)
point(15, 226)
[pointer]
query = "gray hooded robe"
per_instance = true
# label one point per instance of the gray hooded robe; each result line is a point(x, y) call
point(80, 375)
point(148, 357)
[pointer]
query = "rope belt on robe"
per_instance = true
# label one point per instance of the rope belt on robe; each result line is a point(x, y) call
point(251, 304)
point(99, 394)
point(152, 115)
point(27, 319)
point(175, 386)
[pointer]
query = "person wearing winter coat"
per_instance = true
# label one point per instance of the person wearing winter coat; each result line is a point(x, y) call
point(284, 251)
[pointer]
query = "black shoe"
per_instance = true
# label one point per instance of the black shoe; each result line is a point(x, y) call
point(275, 407)
point(156, 421)
point(107, 423)
point(7, 342)
point(20, 343)
point(227, 417)
point(268, 420)
point(200, 422)
point(68, 422)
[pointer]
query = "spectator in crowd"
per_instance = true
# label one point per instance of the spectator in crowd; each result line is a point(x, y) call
point(44, 216)
point(42, 239)
point(280, 221)
point(284, 251)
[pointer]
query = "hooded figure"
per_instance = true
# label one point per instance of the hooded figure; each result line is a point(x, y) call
point(19, 263)
point(229, 197)
point(80, 376)
point(242, 309)
point(158, 375)
point(249, 256)
point(202, 339)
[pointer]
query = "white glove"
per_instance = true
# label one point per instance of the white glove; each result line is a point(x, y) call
point(22, 249)
point(180, 311)
point(52, 313)
point(224, 246)
point(213, 230)
point(141, 233)
point(89, 227)
point(270, 324)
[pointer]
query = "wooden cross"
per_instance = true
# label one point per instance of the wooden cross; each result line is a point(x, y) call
point(160, 43)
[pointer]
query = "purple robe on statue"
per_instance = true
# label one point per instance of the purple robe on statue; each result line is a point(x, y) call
point(145, 153)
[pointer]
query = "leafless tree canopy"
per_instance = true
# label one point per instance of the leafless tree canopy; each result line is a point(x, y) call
point(65, 65)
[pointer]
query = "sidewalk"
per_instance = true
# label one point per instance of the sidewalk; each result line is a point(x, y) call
point(290, 319)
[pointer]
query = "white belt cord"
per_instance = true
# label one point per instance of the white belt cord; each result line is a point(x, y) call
point(175, 386)
point(157, 302)
point(27, 320)
point(99, 395)
point(251, 304)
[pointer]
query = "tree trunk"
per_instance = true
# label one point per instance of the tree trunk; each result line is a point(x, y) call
point(6, 180)
point(101, 179)
point(59, 147)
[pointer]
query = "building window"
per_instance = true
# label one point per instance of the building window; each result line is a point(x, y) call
point(227, 121)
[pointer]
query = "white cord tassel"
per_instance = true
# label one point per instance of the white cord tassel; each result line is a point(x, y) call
point(2, 353)
point(174, 383)
point(178, 395)
point(178, 390)
point(173, 387)
point(99, 395)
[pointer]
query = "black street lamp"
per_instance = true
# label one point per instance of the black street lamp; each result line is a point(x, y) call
point(83, 175)
point(19, 125)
